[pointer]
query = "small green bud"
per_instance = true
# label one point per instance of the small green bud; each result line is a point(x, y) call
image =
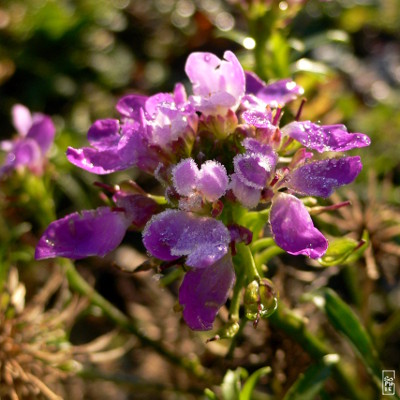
point(260, 300)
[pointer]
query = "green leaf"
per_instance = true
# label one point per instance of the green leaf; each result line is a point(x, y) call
point(344, 251)
point(309, 384)
point(231, 384)
point(247, 391)
point(210, 395)
point(345, 321)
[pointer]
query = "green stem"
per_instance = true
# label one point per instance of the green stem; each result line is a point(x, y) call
point(267, 254)
point(247, 258)
point(295, 327)
point(261, 244)
point(82, 287)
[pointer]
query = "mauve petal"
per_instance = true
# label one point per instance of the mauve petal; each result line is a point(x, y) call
point(326, 137)
point(253, 169)
point(98, 162)
point(79, 235)
point(138, 208)
point(184, 176)
point(253, 83)
point(254, 146)
point(293, 229)
point(321, 178)
point(204, 291)
point(173, 233)
point(104, 133)
point(157, 101)
point(248, 196)
point(22, 119)
point(204, 240)
point(163, 231)
point(280, 92)
point(218, 85)
point(24, 152)
point(212, 180)
point(43, 131)
point(275, 94)
point(180, 96)
point(129, 106)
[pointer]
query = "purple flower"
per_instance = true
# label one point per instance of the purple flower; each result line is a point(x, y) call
point(152, 130)
point(293, 229)
point(35, 136)
point(218, 85)
point(204, 242)
point(326, 137)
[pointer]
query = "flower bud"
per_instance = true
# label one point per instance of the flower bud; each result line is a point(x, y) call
point(260, 300)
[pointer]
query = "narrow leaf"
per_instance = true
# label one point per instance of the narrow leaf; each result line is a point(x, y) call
point(247, 391)
point(309, 384)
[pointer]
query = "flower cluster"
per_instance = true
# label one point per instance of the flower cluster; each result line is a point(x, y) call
point(35, 136)
point(216, 151)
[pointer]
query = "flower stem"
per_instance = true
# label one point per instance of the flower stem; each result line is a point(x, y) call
point(82, 287)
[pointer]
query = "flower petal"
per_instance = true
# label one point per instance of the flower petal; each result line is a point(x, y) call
point(326, 137)
point(173, 233)
point(321, 178)
point(218, 85)
point(93, 232)
point(42, 131)
point(104, 134)
point(22, 119)
point(204, 291)
point(98, 162)
point(163, 231)
point(129, 106)
point(138, 208)
point(247, 195)
point(184, 176)
point(253, 169)
point(274, 94)
point(212, 180)
point(293, 229)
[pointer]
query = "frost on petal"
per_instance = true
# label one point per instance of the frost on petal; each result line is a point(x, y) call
point(184, 176)
point(129, 106)
point(275, 94)
point(204, 291)
point(326, 137)
point(258, 118)
point(204, 241)
point(247, 195)
point(218, 85)
point(253, 169)
point(212, 180)
point(22, 119)
point(321, 178)
point(79, 235)
point(104, 133)
point(293, 229)
point(42, 131)
point(162, 233)
point(173, 234)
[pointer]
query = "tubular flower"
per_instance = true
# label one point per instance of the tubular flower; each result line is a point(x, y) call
point(217, 152)
point(35, 136)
